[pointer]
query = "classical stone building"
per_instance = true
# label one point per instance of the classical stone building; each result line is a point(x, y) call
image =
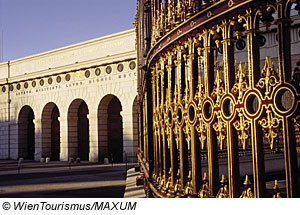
point(75, 101)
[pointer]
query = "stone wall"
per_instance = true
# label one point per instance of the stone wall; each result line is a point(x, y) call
point(99, 67)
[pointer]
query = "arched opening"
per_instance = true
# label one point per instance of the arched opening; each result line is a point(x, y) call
point(110, 129)
point(135, 124)
point(83, 132)
point(78, 130)
point(26, 135)
point(51, 132)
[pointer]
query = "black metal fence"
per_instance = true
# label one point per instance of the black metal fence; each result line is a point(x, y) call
point(130, 160)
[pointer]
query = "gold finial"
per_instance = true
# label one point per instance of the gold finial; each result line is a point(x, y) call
point(223, 191)
point(190, 174)
point(204, 176)
point(276, 187)
point(247, 192)
point(247, 181)
point(277, 193)
point(223, 180)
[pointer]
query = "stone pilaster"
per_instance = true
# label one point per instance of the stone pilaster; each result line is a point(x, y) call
point(38, 139)
point(127, 130)
point(102, 137)
point(93, 132)
point(64, 155)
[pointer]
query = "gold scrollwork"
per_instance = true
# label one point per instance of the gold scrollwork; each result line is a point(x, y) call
point(204, 191)
point(169, 183)
point(297, 121)
point(188, 188)
point(220, 128)
point(201, 128)
point(269, 77)
point(223, 191)
point(218, 90)
point(177, 187)
point(209, 14)
point(247, 193)
point(179, 12)
point(242, 126)
point(192, 23)
point(230, 3)
point(187, 132)
point(199, 96)
point(270, 124)
point(241, 85)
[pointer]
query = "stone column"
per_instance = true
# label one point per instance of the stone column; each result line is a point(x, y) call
point(38, 139)
point(12, 128)
point(72, 144)
point(63, 138)
point(46, 137)
point(127, 130)
point(93, 137)
point(102, 137)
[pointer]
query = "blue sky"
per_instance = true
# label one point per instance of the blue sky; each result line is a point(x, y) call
point(34, 26)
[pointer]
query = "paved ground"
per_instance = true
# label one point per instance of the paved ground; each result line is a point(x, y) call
point(133, 191)
point(84, 180)
point(57, 180)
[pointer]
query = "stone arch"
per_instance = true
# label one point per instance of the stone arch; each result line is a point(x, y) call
point(26, 133)
point(51, 132)
point(110, 129)
point(78, 130)
point(135, 124)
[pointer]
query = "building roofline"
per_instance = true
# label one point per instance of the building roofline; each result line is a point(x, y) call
point(72, 46)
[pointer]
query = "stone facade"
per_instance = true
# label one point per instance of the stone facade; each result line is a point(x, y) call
point(90, 73)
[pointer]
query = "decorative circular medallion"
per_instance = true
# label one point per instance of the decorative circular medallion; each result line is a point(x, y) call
point(33, 84)
point(42, 82)
point(11, 87)
point(58, 79)
point(108, 69)
point(26, 85)
point(50, 80)
point(240, 45)
point(207, 110)
point(132, 65)
point(284, 99)
point(252, 104)
point(192, 113)
point(18, 86)
point(120, 67)
point(228, 107)
point(179, 115)
point(262, 41)
point(87, 73)
point(3, 89)
point(98, 71)
point(68, 77)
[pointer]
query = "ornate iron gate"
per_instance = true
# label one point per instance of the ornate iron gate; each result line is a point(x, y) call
point(198, 103)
